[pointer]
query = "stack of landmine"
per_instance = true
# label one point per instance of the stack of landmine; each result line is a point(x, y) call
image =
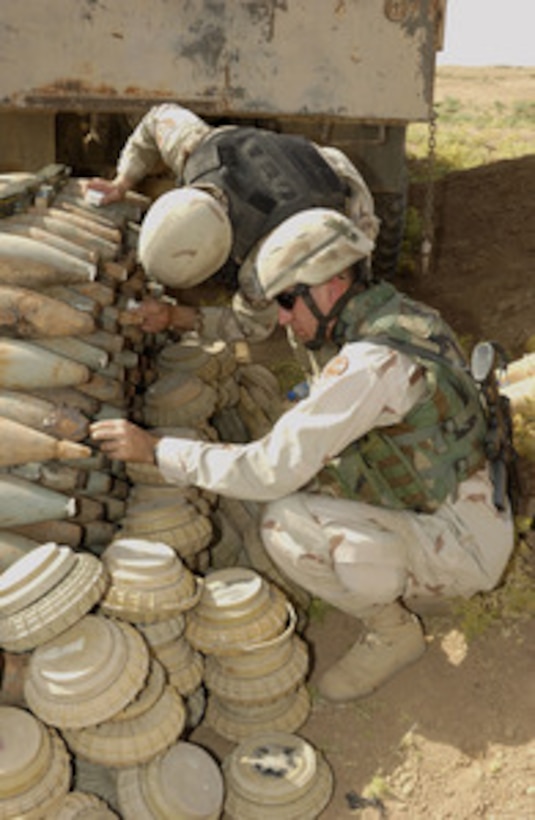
point(65, 277)
point(255, 663)
point(92, 678)
point(240, 416)
point(209, 391)
point(97, 676)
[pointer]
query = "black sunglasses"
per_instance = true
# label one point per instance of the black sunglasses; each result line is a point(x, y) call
point(287, 299)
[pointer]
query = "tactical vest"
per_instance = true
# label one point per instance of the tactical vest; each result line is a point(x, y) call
point(419, 462)
point(266, 178)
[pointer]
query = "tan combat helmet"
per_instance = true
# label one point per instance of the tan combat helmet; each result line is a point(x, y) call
point(186, 237)
point(308, 248)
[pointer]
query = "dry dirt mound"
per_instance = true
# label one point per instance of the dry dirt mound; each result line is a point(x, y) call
point(483, 268)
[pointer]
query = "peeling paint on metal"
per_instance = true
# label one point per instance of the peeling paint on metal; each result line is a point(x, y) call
point(311, 58)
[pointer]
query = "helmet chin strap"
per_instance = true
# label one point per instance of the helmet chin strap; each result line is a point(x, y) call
point(323, 319)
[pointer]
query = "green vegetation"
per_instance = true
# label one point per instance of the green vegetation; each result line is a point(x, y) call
point(470, 131)
point(513, 600)
point(469, 134)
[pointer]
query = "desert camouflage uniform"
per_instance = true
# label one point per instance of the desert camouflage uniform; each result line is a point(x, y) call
point(347, 552)
point(170, 133)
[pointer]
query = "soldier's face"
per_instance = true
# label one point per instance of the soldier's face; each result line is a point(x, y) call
point(299, 317)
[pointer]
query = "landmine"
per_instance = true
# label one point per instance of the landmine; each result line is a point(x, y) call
point(276, 776)
point(244, 625)
point(185, 783)
point(34, 767)
point(87, 366)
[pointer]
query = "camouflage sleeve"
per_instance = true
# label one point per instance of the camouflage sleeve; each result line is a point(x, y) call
point(238, 321)
point(167, 133)
point(361, 209)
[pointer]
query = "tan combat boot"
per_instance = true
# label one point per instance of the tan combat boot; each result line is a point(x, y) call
point(393, 640)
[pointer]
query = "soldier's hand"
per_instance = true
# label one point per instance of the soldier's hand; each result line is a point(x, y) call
point(152, 315)
point(110, 190)
point(120, 439)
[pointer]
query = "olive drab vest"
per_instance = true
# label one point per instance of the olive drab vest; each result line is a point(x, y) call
point(266, 178)
point(418, 463)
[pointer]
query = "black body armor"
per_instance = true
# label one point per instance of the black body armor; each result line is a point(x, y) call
point(266, 178)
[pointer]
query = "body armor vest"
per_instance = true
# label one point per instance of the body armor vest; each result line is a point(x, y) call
point(266, 178)
point(419, 462)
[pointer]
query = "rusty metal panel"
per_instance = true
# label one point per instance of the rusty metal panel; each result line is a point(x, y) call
point(358, 59)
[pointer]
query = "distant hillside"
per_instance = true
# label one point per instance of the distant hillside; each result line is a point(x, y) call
point(485, 85)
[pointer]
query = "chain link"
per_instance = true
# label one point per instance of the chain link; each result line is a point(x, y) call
point(428, 227)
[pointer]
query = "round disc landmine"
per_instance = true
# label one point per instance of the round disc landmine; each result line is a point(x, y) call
point(184, 783)
point(163, 632)
point(188, 359)
point(147, 697)
point(159, 513)
point(70, 598)
point(179, 525)
point(34, 766)
point(266, 685)
point(144, 474)
point(183, 664)
point(33, 575)
point(276, 776)
point(149, 582)
point(178, 399)
point(87, 674)
point(84, 806)
point(237, 607)
point(235, 721)
point(131, 742)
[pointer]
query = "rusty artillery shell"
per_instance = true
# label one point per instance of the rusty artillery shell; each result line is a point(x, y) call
point(29, 251)
point(56, 419)
point(29, 313)
point(23, 502)
point(21, 444)
point(24, 366)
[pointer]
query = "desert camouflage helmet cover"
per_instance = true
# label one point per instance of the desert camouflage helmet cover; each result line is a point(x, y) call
point(185, 237)
point(308, 248)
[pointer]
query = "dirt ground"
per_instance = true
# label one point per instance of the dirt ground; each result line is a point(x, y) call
point(454, 735)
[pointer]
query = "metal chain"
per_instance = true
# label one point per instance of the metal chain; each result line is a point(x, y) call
point(428, 227)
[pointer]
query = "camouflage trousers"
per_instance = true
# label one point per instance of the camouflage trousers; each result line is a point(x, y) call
point(355, 556)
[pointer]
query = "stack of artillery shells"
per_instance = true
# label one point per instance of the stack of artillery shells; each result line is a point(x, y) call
point(241, 617)
point(66, 363)
point(34, 767)
point(276, 776)
point(45, 592)
point(149, 582)
point(184, 783)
